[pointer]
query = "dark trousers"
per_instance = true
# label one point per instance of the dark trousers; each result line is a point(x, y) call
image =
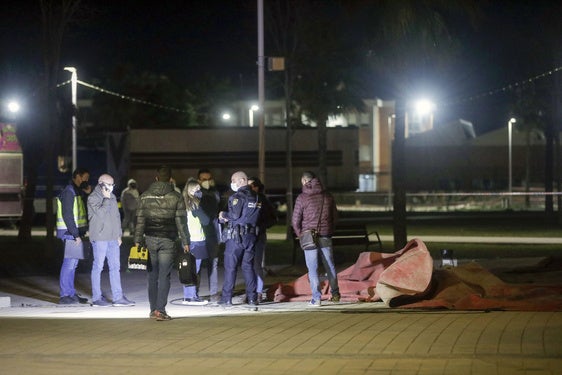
point(239, 252)
point(161, 252)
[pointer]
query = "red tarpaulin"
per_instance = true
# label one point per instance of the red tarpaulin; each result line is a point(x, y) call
point(406, 279)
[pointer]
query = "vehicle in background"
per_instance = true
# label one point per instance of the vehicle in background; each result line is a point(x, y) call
point(11, 174)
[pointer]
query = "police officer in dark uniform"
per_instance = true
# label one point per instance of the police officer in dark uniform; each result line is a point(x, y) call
point(241, 235)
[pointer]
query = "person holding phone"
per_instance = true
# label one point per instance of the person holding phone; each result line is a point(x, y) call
point(105, 236)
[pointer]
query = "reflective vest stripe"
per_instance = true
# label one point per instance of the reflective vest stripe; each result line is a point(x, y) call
point(79, 211)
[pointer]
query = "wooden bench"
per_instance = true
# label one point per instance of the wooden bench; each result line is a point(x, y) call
point(348, 234)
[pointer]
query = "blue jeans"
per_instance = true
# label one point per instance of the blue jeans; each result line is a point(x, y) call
point(68, 268)
point(111, 251)
point(311, 259)
point(258, 260)
point(233, 254)
point(192, 291)
point(67, 272)
point(161, 253)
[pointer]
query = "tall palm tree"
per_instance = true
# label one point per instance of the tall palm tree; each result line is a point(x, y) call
point(317, 80)
point(409, 39)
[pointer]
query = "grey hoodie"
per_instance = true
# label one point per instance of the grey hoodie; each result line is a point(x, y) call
point(104, 217)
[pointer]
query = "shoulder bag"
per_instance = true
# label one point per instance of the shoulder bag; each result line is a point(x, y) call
point(309, 238)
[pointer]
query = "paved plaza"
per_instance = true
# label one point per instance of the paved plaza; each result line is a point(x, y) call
point(37, 336)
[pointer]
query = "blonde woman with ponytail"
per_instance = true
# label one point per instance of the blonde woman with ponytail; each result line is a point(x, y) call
point(196, 220)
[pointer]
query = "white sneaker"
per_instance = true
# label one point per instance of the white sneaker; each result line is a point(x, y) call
point(314, 303)
point(194, 301)
point(123, 302)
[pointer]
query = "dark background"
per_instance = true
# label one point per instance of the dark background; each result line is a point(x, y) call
point(184, 40)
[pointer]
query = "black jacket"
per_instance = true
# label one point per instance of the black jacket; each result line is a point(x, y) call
point(161, 213)
point(268, 218)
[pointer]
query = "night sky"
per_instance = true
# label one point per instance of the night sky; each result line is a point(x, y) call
point(187, 39)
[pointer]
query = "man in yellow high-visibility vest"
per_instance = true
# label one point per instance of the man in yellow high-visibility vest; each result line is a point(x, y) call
point(72, 226)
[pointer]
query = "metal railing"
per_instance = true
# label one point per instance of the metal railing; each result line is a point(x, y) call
point(449, 202)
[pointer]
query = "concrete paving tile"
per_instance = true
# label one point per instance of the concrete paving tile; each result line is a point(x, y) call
point(533, 340)
point(447, 341)
point(511, 336)
point(429, 367)
point(460, 366)
point(282, 338)
point(385, 364)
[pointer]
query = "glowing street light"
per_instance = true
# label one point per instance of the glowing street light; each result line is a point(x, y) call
point(226, 116)
point(420, 118)
point(253, 109)
point(424, 107)
point(509, 145)
point(13, 106)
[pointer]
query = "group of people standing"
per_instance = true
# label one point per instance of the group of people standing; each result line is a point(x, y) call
point(102, 221)
point(195, 217)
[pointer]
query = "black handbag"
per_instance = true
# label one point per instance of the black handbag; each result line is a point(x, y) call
point(187, 269)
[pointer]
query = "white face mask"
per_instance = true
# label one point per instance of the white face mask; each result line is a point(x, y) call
point(233, 186)
point(206, 184)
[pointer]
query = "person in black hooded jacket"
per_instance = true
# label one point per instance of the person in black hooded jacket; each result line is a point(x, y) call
point(160, 220)
point(267, 219)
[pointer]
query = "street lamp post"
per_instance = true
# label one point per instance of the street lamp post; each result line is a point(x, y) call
point(261, 95)
point(510, 166)
point(73, 82)
point(390, 117)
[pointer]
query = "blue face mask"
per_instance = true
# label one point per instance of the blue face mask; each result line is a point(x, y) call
point(233, 186)
point(198, 194)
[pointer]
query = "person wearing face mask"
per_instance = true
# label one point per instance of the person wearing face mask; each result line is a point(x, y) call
point(242, 218)
point(105, 236)
point(130, 203)
point(209, 203)
point(72, 226)
point(196, 220)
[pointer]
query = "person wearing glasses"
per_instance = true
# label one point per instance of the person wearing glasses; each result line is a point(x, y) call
point(105, 236)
